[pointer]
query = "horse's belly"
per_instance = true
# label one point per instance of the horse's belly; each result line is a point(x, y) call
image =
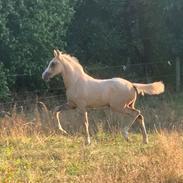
point(97, 104)
point(97, 101)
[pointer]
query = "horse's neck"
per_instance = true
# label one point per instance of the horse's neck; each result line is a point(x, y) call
point(71, 76)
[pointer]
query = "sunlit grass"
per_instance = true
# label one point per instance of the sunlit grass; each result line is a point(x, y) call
point(109, 158)
point(32, 149)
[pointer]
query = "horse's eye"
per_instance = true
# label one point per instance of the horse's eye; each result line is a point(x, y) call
point(53, 64)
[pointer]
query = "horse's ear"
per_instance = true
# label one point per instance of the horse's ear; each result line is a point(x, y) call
point(58, 52)
point(55, 53)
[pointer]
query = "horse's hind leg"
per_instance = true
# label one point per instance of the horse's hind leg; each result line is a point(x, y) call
point(140, 119)
point(132, 112)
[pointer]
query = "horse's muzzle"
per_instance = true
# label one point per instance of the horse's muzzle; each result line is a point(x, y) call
point(46, 76)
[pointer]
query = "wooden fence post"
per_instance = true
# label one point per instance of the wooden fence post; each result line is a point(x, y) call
point(178, 74)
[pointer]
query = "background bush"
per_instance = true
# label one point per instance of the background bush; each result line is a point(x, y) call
point(98, 32)
point(4, 90)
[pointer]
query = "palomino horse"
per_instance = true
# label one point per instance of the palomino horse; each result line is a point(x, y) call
point(83, 91)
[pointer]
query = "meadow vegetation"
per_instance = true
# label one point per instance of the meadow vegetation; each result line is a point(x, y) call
point(33, 150)
point(137, 40)
point(54, 158)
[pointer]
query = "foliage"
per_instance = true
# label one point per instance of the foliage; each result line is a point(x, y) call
point(98, 32)
point(4, 90)
point(29, 31)
point(126, 32)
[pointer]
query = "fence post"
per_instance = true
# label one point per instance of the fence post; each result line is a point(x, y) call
point(178, 74)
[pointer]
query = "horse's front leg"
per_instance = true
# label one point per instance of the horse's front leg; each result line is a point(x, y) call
point(88, 141)
point(58, 110)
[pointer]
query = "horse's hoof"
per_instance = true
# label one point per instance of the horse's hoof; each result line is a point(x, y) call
point(145, 141)
point(87, 142)
point(125, 135)
point(128, 140)
point(63, 131)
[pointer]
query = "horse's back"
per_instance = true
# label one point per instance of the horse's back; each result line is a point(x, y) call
point(116, 91)
point(119, 84)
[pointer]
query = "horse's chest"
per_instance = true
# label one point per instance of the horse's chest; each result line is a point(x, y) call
point(73, 95)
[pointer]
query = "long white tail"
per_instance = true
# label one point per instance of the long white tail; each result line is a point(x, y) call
point(152, 88)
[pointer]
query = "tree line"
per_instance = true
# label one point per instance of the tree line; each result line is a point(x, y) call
point(98, 32)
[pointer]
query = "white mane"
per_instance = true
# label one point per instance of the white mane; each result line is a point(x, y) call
point(73, 61)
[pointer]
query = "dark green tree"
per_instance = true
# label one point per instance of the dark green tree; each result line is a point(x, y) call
point(4, 90)
point(29, 31)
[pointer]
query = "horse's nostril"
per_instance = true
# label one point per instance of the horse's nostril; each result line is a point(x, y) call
point(45, 76)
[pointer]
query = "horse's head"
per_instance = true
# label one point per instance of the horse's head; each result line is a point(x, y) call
point(54, 68)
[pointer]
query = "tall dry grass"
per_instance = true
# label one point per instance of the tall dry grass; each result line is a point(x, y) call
point(54, 158)
point(33, 150)
point(159, 113)
point(161, 163)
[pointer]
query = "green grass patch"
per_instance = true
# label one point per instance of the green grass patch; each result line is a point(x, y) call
point(66, 159)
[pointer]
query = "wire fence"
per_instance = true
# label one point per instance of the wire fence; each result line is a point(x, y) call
point(96, 68)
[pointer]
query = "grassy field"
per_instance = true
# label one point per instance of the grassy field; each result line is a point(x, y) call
point(109, 158)
point(33, 150)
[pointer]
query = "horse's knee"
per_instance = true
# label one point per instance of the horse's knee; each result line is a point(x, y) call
point(140, 117)
point(57, 109)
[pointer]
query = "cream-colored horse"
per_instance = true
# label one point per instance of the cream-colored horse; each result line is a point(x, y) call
point(83, 91)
